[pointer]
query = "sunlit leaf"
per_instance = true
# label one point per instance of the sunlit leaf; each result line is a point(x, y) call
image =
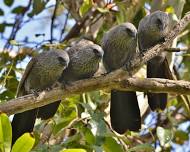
point(5, 133)
point(87, 4)
point(102, 10)
point(170, 9)
point(24, 143)
point(13, 42)
point(73, 150)
point(142, 148)
point(164, 135)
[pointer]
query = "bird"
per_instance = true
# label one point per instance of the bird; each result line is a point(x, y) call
point(120, 45)
point(152, 30)
point(84, 58)
point(41, 73)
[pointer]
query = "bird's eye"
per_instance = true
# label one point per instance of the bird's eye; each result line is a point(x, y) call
point(159, 24)
point(62, 61)
point(130, 32)
point(97, 52)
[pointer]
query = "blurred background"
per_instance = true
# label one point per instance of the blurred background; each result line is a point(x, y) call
point(82, 121)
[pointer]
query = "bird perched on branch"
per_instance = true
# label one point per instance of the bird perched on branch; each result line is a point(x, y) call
point(84, 62)
point(41, 73)
point(119, 45)
point(49, 67)
point(151, 31)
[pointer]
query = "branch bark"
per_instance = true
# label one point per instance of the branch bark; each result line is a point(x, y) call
point(156, 85)
point(118, 79)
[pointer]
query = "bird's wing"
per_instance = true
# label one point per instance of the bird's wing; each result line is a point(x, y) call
point(20, 89)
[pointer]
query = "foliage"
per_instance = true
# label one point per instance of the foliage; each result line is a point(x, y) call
point(82, 121)
point(6, 138)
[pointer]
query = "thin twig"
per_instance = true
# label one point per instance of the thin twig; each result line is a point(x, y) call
point(52, 21)
point(177, 49)
point(65, 25)
point(16, 26)
point(75, 30)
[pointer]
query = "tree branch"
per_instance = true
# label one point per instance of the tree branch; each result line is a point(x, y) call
point(156, 85)
point(118, 79)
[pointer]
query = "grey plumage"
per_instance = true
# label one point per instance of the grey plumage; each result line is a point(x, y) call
point(119, 45)
point(151, 31)
point(41, 73)
point(84, 62)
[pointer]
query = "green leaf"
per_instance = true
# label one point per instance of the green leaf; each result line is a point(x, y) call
point(87, 4)
point(110, 145)
point(5, 133)
point(2, 28)
point(142, 147)
point(180, 137)
point(73, 150)
point(98, 124)
point(102, 10)
point(38, 7)
point(121, 15)
point(18, 10)
point(170, 9)
point(7, 95)
point(24, 143)
point(88, 135)
point(63, 122)
point(74, 138)
point(164, 135)
point(1, 12)
point(8, 2)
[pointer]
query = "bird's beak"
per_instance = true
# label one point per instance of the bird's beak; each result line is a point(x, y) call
point(134, 34)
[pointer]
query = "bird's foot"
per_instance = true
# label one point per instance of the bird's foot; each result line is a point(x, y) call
point(162, 40)
point(128, 66)
point(56, 84)
point(64, 85)
point(49, 88)
point(35, 92)
point(142, 53)
point(104, 74)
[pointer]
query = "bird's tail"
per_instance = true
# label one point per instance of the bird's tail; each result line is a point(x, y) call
point(158, 69)
point(48, 111)
point(124, 111)
point(22, 123)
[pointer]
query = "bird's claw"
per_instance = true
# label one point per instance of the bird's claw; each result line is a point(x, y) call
point(64, 85)
point(35, 92)
point(49, 88)
point(162, 40)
